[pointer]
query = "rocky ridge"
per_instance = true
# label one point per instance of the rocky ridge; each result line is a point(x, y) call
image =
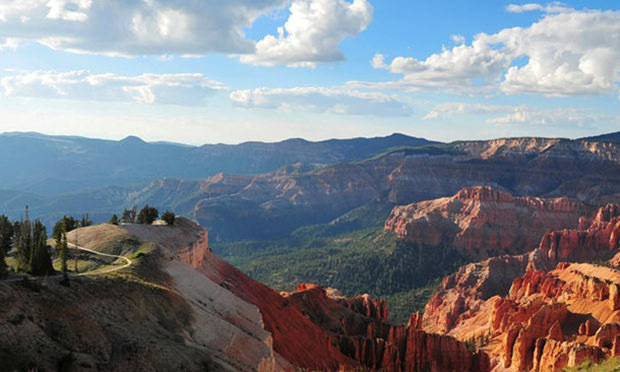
point(276, 203)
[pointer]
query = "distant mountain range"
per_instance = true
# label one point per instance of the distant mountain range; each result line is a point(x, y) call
point(54, 165)
point(266, 190)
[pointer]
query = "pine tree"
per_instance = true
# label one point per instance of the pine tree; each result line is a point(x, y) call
point(3, 268)
point(86, 221)
point(23, 242)
point(65, 224)
point(40, 260)
point(62, 246)
point(169, 217)
point(147, 215)
point(129, 215)
point(6, 237)
point(6, 234)
point(113, 220)
point(63, 254)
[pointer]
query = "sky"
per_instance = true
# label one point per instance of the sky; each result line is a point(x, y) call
point(196, 71)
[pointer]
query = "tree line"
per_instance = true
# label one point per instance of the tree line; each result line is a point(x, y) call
point(146, 216)
point(27, 239)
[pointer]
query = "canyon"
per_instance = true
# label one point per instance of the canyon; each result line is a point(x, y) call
point(181, 307)
point(274, 204)
point(526, 229)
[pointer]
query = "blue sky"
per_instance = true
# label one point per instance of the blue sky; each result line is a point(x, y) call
point(198, 72)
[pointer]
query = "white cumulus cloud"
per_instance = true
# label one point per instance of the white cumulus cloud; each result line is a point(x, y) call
point(566, 52)
point(311, 35)
point(313, 32)
point(336, 100)
point(178, 89)
point(120, 27)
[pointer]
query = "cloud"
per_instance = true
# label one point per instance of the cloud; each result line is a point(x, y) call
point(120, 27)
point(178, 89)
point(520, 115)
point(448, 109)
point(555, 7)
point(564, 53)
point(378, 61)
point(462, 68)
point(321, 99)
point(458, 39)
point(312, 34)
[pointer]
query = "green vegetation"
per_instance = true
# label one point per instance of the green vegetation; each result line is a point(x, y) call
point(32, 252)
point(147, 215)
point(428, 149)
point(62, 252)
point(6, 239)
point(402, 304)
point(6, 234)
point(477, 342)
point(610, 365)
point(85, 221)
point(364, 261)
point(129, 215)
point(168, 217)
point(114, 220)
point(64, 225)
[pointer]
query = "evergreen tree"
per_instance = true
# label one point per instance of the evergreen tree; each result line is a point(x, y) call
point(64, 225)
point(113, 220)
point(63, 254)
point(147, 215)
point(129, 215)
point(6, 237)
point(86, 221)
point(6, 234)
point(61, 245)
point(168, 217)
point(23, 242)
point(3, 267)
point(40, 262)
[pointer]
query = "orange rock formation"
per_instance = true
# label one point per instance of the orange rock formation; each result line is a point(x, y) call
point(481, 222)
point(558, 310)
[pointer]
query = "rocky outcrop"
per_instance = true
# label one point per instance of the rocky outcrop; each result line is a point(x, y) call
point(597, 239)
point(548, 320)
point(366, 305)
point(556, 312)
point(481, 221)
point(465, 290)
point(366, 336)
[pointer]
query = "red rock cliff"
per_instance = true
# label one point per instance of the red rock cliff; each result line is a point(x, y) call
point(554, 314)
point(362, 333)
point(481, 222)
point(313, 330)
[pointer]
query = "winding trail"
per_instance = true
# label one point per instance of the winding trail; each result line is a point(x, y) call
point(128, 263)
